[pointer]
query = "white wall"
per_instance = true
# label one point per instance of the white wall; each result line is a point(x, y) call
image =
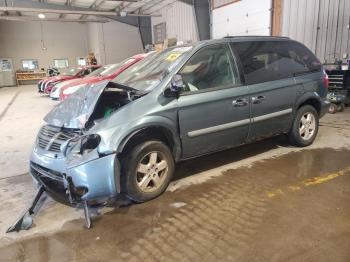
point(22, 40)
point(246, 17)
point(180, 22)
point(111, 42)
point(114, 41)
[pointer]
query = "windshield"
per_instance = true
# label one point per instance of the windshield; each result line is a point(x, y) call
point(70, 71)
point(111, 69)
point(148, 73)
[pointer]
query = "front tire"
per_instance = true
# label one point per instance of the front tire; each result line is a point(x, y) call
point(305, 126)
point(147, 171)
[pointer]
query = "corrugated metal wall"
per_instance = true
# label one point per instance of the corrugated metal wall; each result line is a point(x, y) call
point(180, 22)
point(322, 25)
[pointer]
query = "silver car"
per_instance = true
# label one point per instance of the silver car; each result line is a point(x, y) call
point(124, 137)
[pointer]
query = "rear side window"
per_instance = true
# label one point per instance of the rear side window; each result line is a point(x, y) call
point(264, 61)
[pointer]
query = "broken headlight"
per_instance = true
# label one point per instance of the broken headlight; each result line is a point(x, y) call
point(86, 144)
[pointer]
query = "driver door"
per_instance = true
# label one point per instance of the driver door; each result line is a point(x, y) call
point(214, 107)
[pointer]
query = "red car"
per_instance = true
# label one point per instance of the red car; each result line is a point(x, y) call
point(46, 84)
point(107, 72)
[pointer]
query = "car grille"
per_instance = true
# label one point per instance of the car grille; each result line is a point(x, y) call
point(52, 138)
point(52, 181)
point(40, 171)
point(336, 81)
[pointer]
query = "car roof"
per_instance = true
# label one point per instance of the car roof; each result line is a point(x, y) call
point(228, 39)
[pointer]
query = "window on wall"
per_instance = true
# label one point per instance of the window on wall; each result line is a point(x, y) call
point(159, 33)
point(60, 63)
point(30, 64)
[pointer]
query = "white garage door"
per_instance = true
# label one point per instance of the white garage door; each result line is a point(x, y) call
point(244, 17)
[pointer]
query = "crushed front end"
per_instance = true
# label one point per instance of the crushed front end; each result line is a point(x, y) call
point(82, 176)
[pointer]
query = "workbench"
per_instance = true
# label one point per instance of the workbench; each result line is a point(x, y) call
point(29, 76)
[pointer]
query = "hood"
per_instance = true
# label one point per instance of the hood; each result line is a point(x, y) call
point(75, 111)
point(68, 82)
point(85, 80)
point(57, 78)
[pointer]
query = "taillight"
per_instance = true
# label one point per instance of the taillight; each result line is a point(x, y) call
point(325, 79)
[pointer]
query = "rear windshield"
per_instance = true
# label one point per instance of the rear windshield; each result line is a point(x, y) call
point(70, 71)
point(264, 61)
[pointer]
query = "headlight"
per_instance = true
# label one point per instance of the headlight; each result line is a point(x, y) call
point(72, 89)
point(86, 144)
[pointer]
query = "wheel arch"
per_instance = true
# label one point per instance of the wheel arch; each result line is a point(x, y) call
point(152, 131)
point(310, 99)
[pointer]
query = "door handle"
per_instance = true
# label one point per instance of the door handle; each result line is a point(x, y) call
point(240, 102)
point(258, 99)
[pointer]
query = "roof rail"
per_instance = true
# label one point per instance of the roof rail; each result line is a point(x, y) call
point(255, 36)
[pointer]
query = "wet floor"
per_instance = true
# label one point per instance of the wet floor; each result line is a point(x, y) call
point(290, 208)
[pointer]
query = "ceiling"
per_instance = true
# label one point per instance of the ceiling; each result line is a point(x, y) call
point(84, 10)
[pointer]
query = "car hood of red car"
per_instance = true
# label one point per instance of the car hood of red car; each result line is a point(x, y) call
point(58, 78)
point(87, 80)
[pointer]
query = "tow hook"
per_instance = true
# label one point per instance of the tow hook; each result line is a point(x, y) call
point(25, 221)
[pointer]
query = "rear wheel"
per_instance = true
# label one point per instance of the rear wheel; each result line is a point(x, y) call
point(305, 126)
point(341, 107)
point(147, 171)
point(332, 108)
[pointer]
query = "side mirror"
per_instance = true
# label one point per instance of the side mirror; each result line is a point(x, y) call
point(176, 86)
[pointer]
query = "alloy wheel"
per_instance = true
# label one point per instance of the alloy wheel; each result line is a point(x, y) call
point(151, 172)
point(307, 126)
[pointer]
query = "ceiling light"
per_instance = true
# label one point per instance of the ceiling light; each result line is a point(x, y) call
point(41, 16)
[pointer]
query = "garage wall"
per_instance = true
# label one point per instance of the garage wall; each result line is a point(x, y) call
point(114, 41)
point(180, 22)
point(22, 40)
point(244, 17)
point(322, 25)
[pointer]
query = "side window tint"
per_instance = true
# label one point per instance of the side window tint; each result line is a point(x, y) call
point(267, 61)
point(210, 67)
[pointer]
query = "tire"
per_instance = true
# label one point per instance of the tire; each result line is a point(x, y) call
point(340, 107)
point(147, 171)
point(296, 135)
point(332, 108)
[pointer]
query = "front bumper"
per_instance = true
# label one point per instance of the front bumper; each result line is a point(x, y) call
point(55, 93)
point(94, 181)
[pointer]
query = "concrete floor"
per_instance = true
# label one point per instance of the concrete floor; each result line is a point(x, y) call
point(261, 202)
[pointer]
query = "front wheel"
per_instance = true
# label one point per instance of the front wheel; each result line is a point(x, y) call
point(305, 126)
point(147, 171)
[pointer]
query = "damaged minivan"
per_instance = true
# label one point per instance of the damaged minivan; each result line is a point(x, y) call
point(124, 137)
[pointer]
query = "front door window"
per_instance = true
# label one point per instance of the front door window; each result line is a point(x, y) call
point(210, 67)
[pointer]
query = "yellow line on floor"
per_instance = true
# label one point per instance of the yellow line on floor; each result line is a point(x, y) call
point(308, 182)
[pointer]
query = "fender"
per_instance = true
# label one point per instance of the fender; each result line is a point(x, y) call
point(308, 96)
point(152, 121)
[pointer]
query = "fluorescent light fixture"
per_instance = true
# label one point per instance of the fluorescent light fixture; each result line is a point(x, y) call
point(41, 16)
